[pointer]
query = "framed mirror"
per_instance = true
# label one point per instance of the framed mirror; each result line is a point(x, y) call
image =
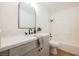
point(26, 16)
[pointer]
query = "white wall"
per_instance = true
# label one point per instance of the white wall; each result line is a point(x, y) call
point(8, 16)
point(65, 27)
point(42, 18)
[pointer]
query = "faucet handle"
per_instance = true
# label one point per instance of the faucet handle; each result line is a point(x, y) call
point(25, 33)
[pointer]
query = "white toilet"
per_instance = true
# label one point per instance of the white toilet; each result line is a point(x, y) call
point(53, 47)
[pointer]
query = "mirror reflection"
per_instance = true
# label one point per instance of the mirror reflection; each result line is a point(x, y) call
point(27, 16)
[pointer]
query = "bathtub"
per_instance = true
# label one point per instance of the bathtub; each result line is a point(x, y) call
point(71, 48)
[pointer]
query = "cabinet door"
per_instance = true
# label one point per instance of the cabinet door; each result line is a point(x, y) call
point(45, 48)
point(23, 49)
point(34, 52)
point(46, 45)
point(4, 53)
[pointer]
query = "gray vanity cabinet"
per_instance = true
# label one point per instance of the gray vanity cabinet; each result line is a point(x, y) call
point(29, 49)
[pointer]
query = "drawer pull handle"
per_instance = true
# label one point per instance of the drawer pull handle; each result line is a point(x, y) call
point(40, 49)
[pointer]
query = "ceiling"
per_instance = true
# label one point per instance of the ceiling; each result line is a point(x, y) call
point(53, 7)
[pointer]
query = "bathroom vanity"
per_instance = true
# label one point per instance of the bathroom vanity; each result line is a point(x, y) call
point(31, 44)
point(37, 46)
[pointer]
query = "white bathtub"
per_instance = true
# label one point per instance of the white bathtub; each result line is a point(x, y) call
point(72, 48)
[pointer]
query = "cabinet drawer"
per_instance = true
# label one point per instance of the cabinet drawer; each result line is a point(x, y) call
point(23, 49)
point(33, 53)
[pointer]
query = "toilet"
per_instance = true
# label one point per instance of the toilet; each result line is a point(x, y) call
point(53, 47)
